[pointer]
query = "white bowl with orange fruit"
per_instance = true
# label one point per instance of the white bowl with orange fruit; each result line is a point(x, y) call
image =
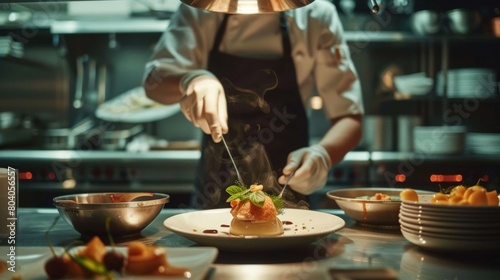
point(465, 219)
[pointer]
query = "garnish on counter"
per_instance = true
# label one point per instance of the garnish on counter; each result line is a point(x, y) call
point(57, 267)
point(254, 194)
point(112, 260)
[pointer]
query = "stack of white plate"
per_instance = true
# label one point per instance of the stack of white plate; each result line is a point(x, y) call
point(484, 143)
point(450, 228)
point(439, 139)
point(468, 82)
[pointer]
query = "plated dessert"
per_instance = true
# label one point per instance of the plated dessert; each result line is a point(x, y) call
point(254, 211)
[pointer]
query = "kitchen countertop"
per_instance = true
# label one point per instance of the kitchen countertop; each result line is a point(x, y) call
point(353, 252)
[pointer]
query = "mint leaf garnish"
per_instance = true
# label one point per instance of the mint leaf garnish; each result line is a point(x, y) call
point(257, 198)
point(236, 192)
point(232, 190)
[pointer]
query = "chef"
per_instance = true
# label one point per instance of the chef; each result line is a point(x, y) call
point(248, 78)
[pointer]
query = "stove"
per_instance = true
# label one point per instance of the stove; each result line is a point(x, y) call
point(44, 174)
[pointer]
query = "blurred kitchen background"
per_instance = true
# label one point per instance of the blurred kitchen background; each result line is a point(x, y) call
point(74, 119)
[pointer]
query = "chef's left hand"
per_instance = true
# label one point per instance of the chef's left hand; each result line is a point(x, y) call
point(311, 165)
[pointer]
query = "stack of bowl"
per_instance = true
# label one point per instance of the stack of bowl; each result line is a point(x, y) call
point(450, 228)
point(414, 84)
point(463, 21)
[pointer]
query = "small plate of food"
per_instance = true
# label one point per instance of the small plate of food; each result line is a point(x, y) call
point(256, 221)
point(97, 261)
point(370, 206)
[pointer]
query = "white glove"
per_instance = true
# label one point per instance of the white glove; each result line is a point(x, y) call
point(311, 164)
point(204, 103)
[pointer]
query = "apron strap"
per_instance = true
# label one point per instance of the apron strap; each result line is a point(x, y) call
point(220, 32)
point(285, 40)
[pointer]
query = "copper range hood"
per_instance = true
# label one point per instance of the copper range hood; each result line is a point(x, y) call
point(254, 6)
point(247, 6)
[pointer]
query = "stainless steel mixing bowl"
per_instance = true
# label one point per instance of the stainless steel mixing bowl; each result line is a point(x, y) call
point(129, 213)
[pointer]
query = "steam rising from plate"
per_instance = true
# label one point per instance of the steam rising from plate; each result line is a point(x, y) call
point(248, 97)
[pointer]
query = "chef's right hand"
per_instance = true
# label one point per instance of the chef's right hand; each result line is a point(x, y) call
point(204, 104)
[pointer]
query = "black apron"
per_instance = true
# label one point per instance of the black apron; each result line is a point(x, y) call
point(266, 119)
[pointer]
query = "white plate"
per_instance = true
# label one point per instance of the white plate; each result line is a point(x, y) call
point(466, 232)
point(451, 209)
point(31, 261)
point(450, 245)
point(133, 106)
point(455, 237)
point(432, 214)
point(307, 227)
point(448, 223)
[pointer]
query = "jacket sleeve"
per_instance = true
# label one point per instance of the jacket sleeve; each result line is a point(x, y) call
point(335, 75)
point(184, 46)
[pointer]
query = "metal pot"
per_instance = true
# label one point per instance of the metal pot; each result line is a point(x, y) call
point(9, 120)
point(15, 129)
point(118, 139)
point(426, 22)
point(66, 138)
point(406, 124)
point(377, 133)
point(462, 21)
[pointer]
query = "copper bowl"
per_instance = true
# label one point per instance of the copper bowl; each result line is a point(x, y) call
point(128, 213)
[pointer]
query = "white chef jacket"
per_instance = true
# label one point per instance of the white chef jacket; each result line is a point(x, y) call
point(315, 33)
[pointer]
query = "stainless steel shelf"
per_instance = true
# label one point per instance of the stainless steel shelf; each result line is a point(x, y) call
point(398, 36)
point(122, 25)
point(467, 159)
point(103, 156)
point(360, 157)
